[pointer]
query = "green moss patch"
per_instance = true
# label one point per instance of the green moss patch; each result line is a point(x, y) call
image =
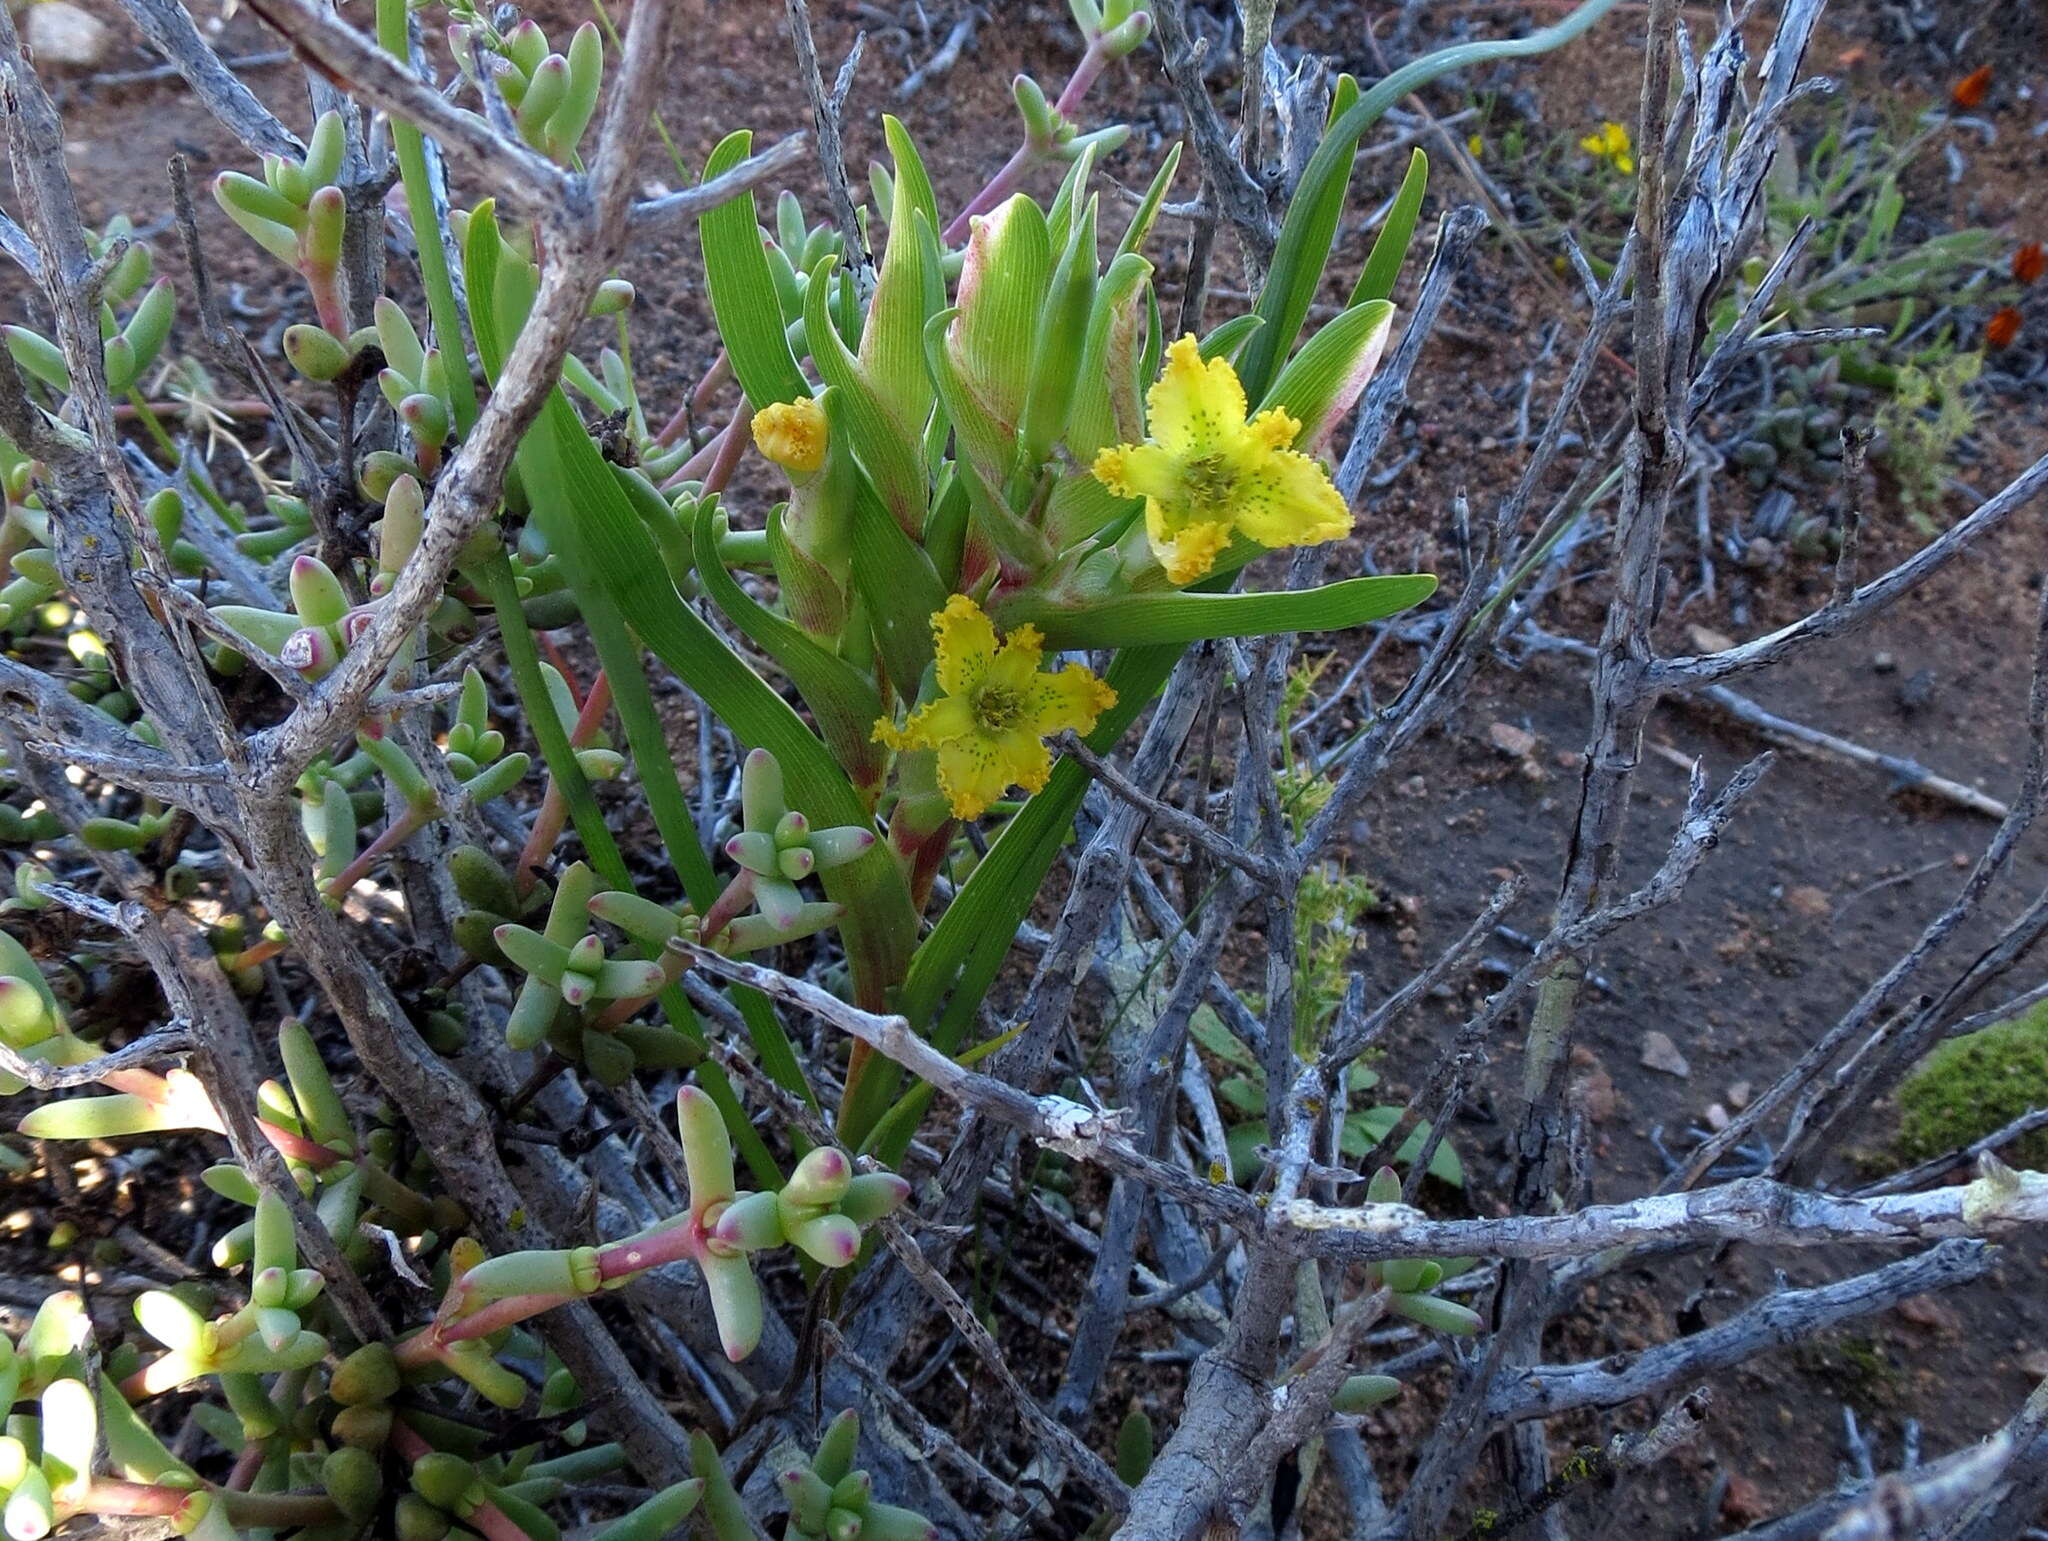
point(1976, 1084)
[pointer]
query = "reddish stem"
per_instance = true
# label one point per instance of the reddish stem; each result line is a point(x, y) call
point(554, 807)
point(731, 445)
point(250, 957)
point(698, 401)
point(107, 1495)
point(410, 823)
point(726, 908)
point(1004, 182)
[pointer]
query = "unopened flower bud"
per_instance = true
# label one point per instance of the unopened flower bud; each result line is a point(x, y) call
point(793, 435)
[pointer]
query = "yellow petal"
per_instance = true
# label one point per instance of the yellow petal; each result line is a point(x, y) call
point(1027, 760)
point(1273, 429)
point(973, 773)
point(1287, 499)
point(966, 642)
point(1189, 552)
point(1017, 660)
point(1194, 408)
point(933, 724)
point(1138, 471)
point(1072, 698)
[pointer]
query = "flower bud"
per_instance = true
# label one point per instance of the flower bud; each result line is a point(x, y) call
point(793, 434)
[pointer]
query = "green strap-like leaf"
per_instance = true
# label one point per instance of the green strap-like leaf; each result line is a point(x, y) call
point(1323, 381)
point(1137, 620)
point(881, 441)
point(743, 294)
point(842, 699)
point(880, 925)
point(1397, 231)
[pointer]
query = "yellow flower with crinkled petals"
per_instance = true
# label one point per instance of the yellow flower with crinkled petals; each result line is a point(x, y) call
point(995, 707)
point(1206, 472)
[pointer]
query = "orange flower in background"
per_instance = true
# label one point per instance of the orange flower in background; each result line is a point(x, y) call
point(2002, 328)
point(2029, 263)
point(1969, 92)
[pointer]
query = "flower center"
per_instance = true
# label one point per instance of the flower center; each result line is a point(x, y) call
point(998, 708)
point(1209, 482)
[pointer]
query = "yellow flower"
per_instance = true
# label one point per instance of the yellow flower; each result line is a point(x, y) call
point(1611, 144)
point(792, 434)
point(995, 708)
point(1206, 472)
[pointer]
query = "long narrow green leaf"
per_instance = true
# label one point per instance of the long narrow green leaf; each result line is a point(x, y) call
point(1303, 249)
point(1138, 620)
point(1320, 384)
point(880, 438)
point(549, 732)
point(842, 698)
point(1397, 231)
point(880, 925)
point(907, 291)
point(743, 294)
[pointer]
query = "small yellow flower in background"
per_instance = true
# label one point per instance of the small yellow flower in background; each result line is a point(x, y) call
point(1206, 472)
point(792, 434)
point(1477, 145)
point(1612, 144)
point(989, 724)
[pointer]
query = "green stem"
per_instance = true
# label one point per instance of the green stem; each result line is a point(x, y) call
point(523, 658)
point(411, 149)
point(620, 656)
